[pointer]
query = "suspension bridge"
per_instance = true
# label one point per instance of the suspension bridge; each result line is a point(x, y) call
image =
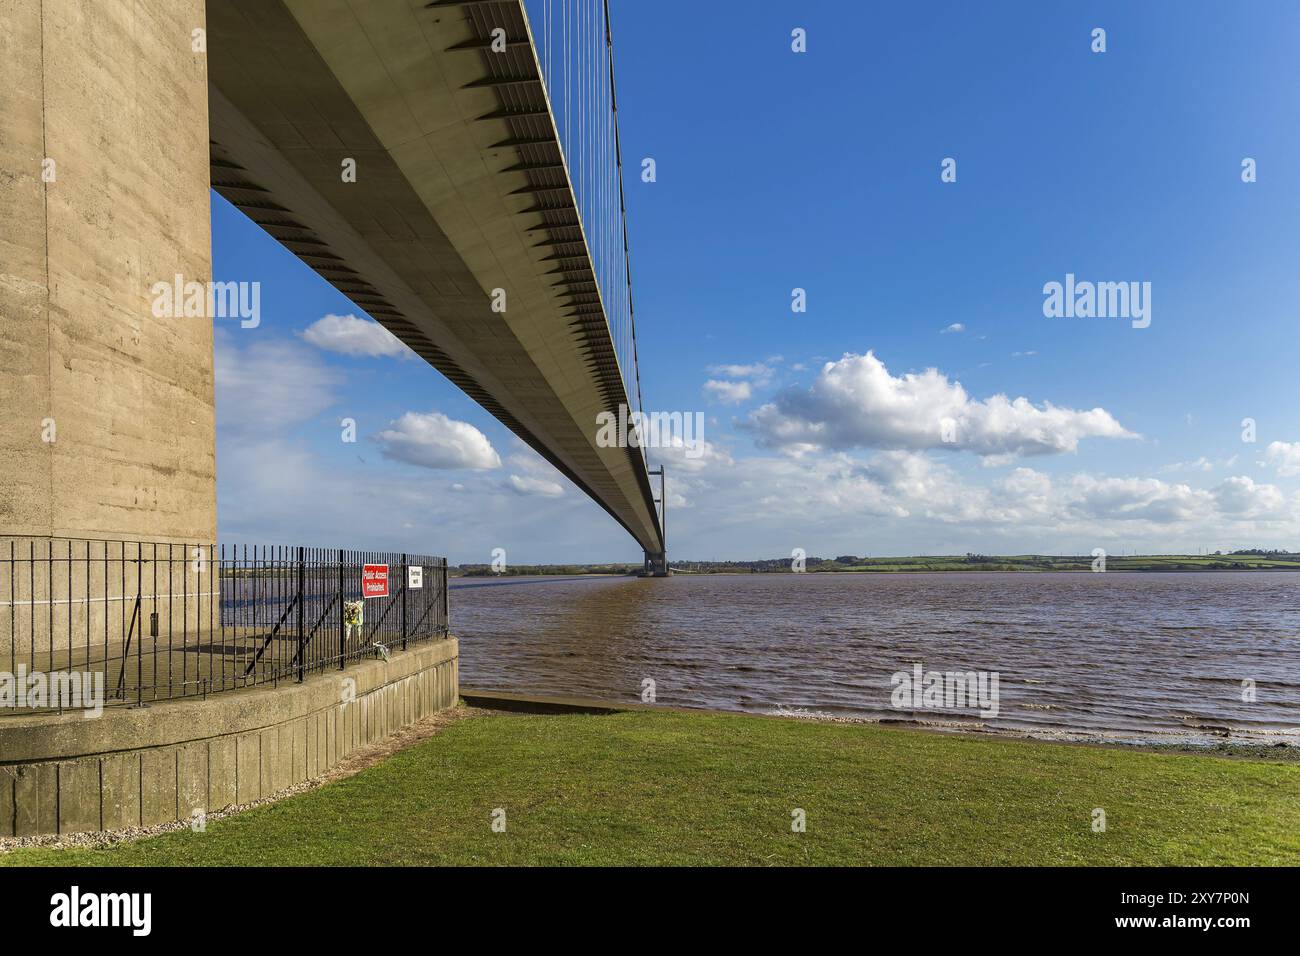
point(454, 169)
point(484, 223)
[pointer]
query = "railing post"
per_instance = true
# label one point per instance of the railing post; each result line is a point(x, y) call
point(302, 635)
point(405, 580)
point(343, 626)
point(139, 660)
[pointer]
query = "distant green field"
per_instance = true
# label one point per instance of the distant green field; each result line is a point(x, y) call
point(943, 562)
point(1030, 562)
point(671, 788)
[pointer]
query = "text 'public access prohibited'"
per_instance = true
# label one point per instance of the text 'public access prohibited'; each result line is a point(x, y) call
point(374, 580)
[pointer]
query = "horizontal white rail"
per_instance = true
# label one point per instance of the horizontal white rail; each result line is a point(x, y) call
point(110, 599)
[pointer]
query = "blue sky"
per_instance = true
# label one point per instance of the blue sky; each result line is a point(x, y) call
point(821, 170)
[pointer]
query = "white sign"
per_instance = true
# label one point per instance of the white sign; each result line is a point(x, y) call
point(414, 577)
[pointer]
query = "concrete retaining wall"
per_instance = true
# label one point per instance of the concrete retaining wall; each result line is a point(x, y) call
point(138, 767)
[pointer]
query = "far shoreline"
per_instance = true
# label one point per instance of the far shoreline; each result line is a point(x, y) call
point(577, 575)
point(1257, 559)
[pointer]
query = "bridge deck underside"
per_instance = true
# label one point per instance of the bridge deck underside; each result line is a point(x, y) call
point(460, 189)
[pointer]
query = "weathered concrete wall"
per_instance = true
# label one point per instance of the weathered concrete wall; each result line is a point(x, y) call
point(137, 767)
point(104, 182)
point(74, 598)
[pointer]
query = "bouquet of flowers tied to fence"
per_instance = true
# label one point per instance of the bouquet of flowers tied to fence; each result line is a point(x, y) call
point(353, 614)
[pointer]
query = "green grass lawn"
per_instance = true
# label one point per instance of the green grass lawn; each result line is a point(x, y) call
point(668, 788)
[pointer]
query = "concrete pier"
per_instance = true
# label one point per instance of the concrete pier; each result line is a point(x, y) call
point(108, 425)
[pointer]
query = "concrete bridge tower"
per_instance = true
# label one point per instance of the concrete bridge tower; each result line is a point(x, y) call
point(106, 410)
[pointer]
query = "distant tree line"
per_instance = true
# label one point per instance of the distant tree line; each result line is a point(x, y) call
point(853, 562)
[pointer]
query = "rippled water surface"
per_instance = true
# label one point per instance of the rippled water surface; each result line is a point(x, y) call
point(1124, 655)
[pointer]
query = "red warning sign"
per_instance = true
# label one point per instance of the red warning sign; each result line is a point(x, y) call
point(374, 580)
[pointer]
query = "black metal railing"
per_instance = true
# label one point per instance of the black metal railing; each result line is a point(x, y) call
point(132, 622)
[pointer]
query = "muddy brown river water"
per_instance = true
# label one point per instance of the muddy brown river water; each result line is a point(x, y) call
point(1163, 657)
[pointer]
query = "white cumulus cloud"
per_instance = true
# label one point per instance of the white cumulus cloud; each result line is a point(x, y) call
point(532, 485)
point(349, 335)
point(1129, 499)
point(729, 392)
point(1284, 456)
point(1242, 497)
point(760, 372)
point(531, 474)
point(856, 403)
point(432, 440)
